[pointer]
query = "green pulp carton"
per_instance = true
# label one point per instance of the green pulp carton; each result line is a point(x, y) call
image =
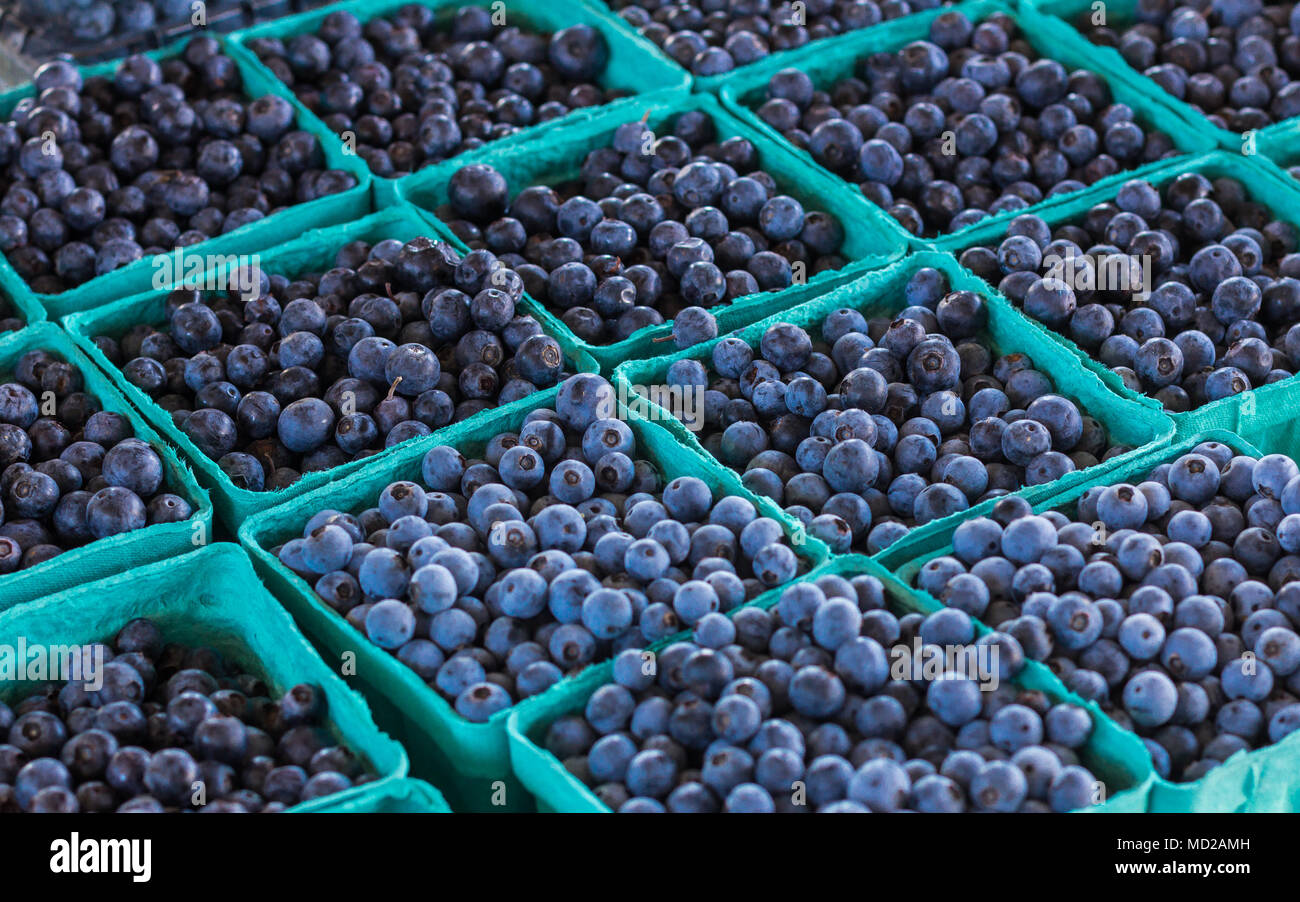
point(871, 239)
point(1117, 758)
point(1264, 182)
point(1263, 780)
point(828, 61)
point(635, 66)
point(114, 554)
point(881, 293)
point(1062, 23)
point(210, 598)
point(311, 252)
point(156, 271)
point(468, 761)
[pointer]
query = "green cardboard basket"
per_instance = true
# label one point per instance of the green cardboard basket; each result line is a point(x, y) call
point(837, 58)
point(881, 292)
point(469, 761)
point(1060, 24)
point(212, 598)
point(713, 84)
point(1116, 757)
point(311, 252)
point(114, 554)
point(871, 237)
point(1264, 182)
point(635, 64)
point(1266, 779)
point(247, 239)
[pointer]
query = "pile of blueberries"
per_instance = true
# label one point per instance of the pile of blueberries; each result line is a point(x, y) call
point(653, 225)
point(1173, 603)
point(799, 709)
point(99, 173)
point(1190, 291)
point(970, 123)
point(1236, 61)
point(70, 472)
point(169, 724)
point(413, 90)
point(96, 30)
point(60, 23)
point(497, 576)
point(885, 424)
point(394, 341)
point(711, 37)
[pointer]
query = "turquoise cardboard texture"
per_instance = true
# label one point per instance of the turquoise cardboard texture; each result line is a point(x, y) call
point(1062, 21)
point(837, 58)
point(1265, 183)
point(114, 554)
point(470, 761)
point(871, 237)
point(1281, 143)
point(1263, 780)
point(1139, 426)
point(212, 598)
point(280, 226)
point(635, 66)
point(1117, 758)
point(397, 796)
point(312, 252)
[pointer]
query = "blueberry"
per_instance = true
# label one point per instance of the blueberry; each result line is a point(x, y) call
point(880, 784)
point(478, 703)
point(114, 510)
point(999, 786)
point(955, 700)
point(1073, 788)
point(133, 465)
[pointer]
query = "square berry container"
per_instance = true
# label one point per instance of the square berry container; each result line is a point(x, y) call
point(880, 293)
point(310, 252)
point(1113, 755)
point(871, 238)
point(830, 60)
point(115, 554)
point(469, 761)
point(211, 597)
point(43, 39)
point(1060, 21)
point(250, 238)
point(712, 84)
point(1265, 184)
point(635, 65)
point(1260, 780)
